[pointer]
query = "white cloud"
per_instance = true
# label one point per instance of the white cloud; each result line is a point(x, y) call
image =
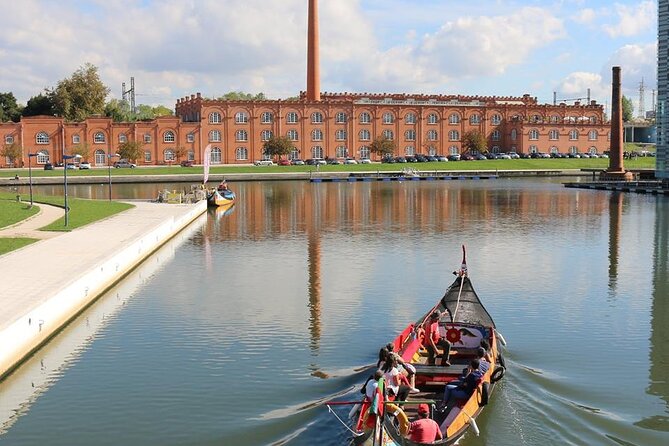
point(585, 16)
point(633, 20)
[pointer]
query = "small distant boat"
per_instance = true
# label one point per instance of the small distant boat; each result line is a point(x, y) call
point(220, 197)
point(464, 322)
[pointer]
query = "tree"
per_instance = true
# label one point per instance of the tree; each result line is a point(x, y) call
point(41, 104)
point(119, 111)
point(9, 109)
point(628, 109)
point(277, 146)
point(83, 150)
point(81, 95)
point(474, 141)
point(382, 146)
point(161, 110)
point(241, 96)
point(180, 152)
point(130, 150)
point(12, 151)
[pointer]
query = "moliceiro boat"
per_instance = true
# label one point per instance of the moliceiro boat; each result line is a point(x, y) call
point(450, 389)
point(221, 195)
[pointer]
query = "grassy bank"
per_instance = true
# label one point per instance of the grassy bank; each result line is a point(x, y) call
point(520, 164)
point(8, 244)
point(11, 211)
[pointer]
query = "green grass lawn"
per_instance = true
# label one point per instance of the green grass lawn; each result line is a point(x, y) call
point(11, 211)
point(8, 244)
point(520, 164)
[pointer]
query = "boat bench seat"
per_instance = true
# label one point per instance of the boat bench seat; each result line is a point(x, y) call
point(454, 369)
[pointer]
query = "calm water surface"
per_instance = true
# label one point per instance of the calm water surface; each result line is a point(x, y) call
point(238, 330)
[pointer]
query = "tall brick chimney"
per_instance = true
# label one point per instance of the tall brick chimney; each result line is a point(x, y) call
point(313, 60)
point(616, 170)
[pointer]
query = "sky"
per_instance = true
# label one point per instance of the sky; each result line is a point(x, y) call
point(175, 48)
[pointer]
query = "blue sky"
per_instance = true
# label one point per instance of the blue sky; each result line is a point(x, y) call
point(175, 48)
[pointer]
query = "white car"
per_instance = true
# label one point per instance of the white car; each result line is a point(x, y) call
point(350, 161)
point(83, 166)
point(365, 161)
point(263, 163)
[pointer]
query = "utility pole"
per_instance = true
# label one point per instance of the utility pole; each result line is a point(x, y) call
point(642, 106)
point(124, 94)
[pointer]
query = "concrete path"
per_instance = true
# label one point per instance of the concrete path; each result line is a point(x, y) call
point(29, 227)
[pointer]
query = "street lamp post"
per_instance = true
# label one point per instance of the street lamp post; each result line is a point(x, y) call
point(30, 176)
point(109, 157)
point(67, 209)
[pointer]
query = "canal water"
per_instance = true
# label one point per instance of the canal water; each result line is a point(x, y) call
point(237, 331)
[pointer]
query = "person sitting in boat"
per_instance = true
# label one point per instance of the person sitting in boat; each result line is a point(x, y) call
point(388, 351)
point(372, 384)
point(223, 185)
point(432, 340)
point(396, 382)
point(484, 364)
point(424, 429)
point(463, 389)
point(486, 347)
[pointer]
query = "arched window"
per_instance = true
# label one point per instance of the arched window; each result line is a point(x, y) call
point(291, 118)
point(294, 154)
point(42, 157)
point(214, 118)
point(147, 156)
point(573, 135)
point(573, 149)
point(593, 135)
point(147, 138)
point(364, 152)
point(409, 150)
point(454, 118)
point(191, 155)
point(341, 118)
point(317, 118)
point(553, 135)
point(495, 135)
point(536, 119)
point(475, 119)
point(266, 117)
point(42, 138)
point(365, 135)
point(168, 155)
point(388, 134)
point(340, 135)
point(241, 118)
point(410, 118)
point(514, 134)
point(432, 135)
point(534, 134)
point(76, 139)
point(431, 150)
point(453, 150)
point(554, 119)
point(215, 136)
point(495, 119)
point(432, 118)
point(593, 119)
point(265, 135)
point(317, 135)
point(553, 149)
point(215, 156)
point(410, 135)
point(168, 136)
point(9, 139)
point(592, 150)
point(122, 138)
point(534, 149)
point(495, 149)
point(317, 152)
point(365, 118)
point(100, 157)
point(241, 154)
point(454, 135)
point(292, 135)
point(388, 118)
point(241, 135)
point(341, 152)
point(99, 138)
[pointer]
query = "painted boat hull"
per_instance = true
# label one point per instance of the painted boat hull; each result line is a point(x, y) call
point(221, 198)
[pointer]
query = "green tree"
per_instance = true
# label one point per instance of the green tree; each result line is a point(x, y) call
point(119, 110)
point(130, 150)
point(382, 146)
point(161, 110)
point(277, 146)
point(628, 109)
point(82, 149)
point(41, 104)
point(241, 96)
point(474, 141)
point(81, 95)
point(9, 109)
point(12, 151)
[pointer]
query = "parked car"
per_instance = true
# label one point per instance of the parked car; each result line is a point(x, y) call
point(284, 163)
point(442, 158)
point(333, 161)
point(388, 159)
point(525, 155)
point(411, 159)
point(421, 158)
point(263, 163)
point(365, 161)
point(467, 157)
point(186, 163)
point(350, 161)
point(84, 165)
point(431, 158)
point(585, 155)
point(316, 162)
point(48, 166)
point(124, 164)
point(70, 166)
point(514, 155)
point(400, 159)
point(297, 162)
point(594, 155)
point(480, 157)
point(454, 157)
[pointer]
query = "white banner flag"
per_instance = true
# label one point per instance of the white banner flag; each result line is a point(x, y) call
point(207, 162)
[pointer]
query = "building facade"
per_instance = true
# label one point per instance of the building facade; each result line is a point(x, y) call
point(662, 118)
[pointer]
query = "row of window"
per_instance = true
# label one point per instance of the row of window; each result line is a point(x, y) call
point(554, 135)
point(389, 118)
point(100, 138)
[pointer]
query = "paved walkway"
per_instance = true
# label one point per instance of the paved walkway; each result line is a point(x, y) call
point(34, 273)
point(29, 227)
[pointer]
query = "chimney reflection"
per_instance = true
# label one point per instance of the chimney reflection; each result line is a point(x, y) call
point(615, 214)
point(314, 259)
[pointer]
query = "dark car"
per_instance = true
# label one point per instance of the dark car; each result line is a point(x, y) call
point(388, 159)
point(400, 159)
point(333, 162)
point(467, 157)
point(411, 159)
point(48, 166)
point(186, 163)
point(480, 157)
point(454, 157)
point(421, 158)
point(525, 155)
point(431, 158)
